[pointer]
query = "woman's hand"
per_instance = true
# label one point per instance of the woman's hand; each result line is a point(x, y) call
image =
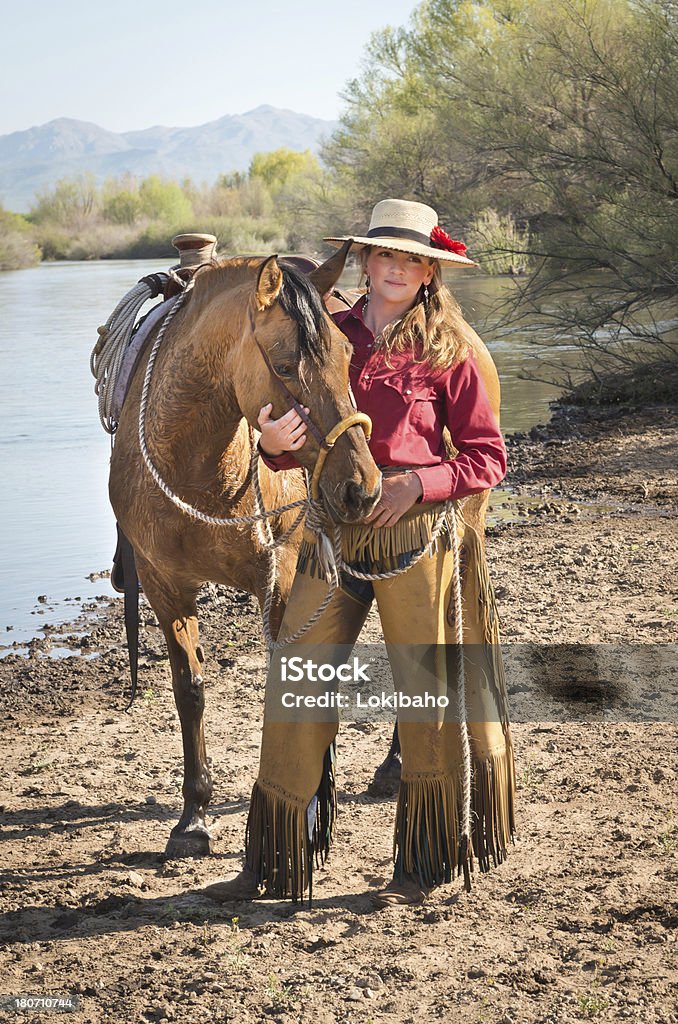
point(284, 435)
point(398, 494)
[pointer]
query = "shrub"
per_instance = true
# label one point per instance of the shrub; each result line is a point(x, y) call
point(498, 244)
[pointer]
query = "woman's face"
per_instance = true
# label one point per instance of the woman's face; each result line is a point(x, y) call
point(396, 277)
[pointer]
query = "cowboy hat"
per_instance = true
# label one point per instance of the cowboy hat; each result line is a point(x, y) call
point(409, 227)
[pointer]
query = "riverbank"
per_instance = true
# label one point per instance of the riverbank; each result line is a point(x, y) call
point(578, 924)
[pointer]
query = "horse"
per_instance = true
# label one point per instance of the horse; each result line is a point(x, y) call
point(252, 331)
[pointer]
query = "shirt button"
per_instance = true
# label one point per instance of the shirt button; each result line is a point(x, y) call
point(367, 376)
point(408, 391)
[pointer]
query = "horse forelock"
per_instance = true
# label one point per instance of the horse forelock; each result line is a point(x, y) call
point(299, 299)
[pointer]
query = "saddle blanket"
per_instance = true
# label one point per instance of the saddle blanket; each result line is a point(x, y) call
point(133, 353)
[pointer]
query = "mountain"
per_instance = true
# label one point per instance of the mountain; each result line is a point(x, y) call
point(38, 157)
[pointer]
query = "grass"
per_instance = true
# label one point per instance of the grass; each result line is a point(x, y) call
point(593, 1002)
point(279, 994)
point(169, 912)
point(208, 935)
point(237, 960)
point(668, 840)
point(531, 776)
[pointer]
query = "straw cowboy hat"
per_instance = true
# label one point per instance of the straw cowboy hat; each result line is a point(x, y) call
point(409, 227)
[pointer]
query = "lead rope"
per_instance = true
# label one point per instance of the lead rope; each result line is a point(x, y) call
point(462, 712)
point(190, 510)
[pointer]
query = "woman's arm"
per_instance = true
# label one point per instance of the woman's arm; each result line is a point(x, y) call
point(481, 462)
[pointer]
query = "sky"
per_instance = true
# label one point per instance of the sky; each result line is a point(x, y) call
point(127, 65)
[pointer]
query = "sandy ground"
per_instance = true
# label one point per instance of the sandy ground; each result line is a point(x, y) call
point(578, 924)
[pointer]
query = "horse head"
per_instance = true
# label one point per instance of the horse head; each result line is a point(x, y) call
point(290, 349)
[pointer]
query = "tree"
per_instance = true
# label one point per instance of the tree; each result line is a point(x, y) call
point(557, 114)
point(70, 204)
point(582, 113)
point(122, 207)
point(276, 168)
point(164, 201)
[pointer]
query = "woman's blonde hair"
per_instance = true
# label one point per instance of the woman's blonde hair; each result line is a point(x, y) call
point(435, 328)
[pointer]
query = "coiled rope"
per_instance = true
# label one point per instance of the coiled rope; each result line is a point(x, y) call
point(114, 338)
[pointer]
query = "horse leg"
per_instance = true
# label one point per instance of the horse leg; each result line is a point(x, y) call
point(386, 781)
point(177, 615)
point(190, 837)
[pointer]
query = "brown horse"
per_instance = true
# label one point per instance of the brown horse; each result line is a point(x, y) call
point(246, 322)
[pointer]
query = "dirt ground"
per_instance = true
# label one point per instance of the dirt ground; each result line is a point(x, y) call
point(578, 924)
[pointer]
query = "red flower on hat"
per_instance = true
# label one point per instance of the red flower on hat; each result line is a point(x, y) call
point(441, 240)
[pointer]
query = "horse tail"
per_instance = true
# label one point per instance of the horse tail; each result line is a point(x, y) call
point(125, 580)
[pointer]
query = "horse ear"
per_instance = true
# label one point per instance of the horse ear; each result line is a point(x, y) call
point(269, 283)
point(327, 275)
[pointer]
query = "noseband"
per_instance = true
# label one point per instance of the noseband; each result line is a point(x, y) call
point(325, 443)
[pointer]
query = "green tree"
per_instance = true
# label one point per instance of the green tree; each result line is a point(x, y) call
point(164, 201)
point(559, 113)
point(123, 207)
point(276, 168)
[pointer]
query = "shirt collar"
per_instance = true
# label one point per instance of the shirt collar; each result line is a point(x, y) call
point(355, 312)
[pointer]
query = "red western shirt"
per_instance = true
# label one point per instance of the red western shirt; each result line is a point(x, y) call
point(409, 404)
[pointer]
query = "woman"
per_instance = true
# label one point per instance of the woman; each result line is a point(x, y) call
point(414, 373)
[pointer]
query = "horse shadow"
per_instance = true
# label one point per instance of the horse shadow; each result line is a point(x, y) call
point(72, 817)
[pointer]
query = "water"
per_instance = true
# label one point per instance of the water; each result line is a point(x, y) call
point(57, 526)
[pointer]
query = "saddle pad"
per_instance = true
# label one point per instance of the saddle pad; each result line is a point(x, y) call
point(133, 352)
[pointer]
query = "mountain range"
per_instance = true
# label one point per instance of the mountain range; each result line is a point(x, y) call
point(38, 157)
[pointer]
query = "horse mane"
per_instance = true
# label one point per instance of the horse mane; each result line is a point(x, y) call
point(298, 299)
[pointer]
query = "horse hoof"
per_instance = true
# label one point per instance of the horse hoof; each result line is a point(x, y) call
point(194, 843)
point(386, 781)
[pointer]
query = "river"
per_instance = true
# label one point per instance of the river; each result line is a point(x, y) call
point(57, 526)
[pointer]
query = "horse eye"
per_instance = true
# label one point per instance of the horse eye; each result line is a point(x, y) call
point(285, 371)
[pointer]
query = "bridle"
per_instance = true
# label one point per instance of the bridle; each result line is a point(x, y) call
point(325, 442)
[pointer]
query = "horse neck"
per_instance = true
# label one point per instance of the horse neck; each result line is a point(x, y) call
point(193, 418)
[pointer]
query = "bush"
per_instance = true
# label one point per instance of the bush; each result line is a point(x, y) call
point(17, 245)
point(498, 244)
